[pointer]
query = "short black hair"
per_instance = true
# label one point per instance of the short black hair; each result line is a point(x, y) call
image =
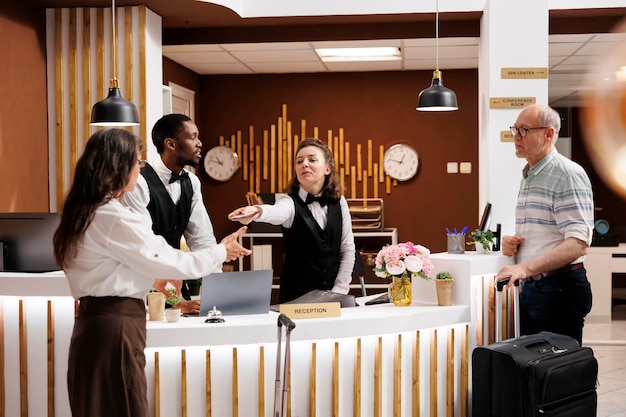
point(167, 126)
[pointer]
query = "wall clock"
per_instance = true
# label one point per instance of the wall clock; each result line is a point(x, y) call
point(220, 163)
point(401, 162)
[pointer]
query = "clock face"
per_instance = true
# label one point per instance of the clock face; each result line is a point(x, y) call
point(220, 163)
point(401, 162)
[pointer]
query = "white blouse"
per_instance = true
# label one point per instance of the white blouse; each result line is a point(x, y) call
point(121, 256)
point(283, 213)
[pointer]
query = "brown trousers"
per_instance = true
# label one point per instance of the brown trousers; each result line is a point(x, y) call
point(106, 365)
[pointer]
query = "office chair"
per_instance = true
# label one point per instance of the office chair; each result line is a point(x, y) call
point(359, 271)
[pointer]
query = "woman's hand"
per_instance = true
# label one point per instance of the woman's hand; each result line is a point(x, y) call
point(245, 215)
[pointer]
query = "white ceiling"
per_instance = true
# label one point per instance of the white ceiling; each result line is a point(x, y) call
point(570, 57)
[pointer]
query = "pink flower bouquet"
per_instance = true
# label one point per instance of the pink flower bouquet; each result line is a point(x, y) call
point(403, 259)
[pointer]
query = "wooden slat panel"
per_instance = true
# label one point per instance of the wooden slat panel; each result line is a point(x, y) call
point(58, 82)
point(143, 84)
point(491, 311)
point(261, 382)
point(23, 341)
point(397, 378)
point(450, 374)
point(128, 53)
point(72, 85)
point(335, 381)
point(100, 84)
point(415, 383)
point(207, 378)
point(183, 382)
point(235, 387)
point(356, 393)
point(313, 381)
point(464, 372)
point(50, 358)
point(433, 373)
point(157, 385)
point(378, 379)
point(86, 70)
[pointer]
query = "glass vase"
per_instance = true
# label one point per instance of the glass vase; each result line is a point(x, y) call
point(400, 290)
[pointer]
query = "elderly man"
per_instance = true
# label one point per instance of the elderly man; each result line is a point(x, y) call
point(553, 229)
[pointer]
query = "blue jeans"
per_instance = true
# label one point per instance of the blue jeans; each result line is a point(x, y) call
point(557, 304)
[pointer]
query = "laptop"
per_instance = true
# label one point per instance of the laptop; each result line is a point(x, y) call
point(235, 293)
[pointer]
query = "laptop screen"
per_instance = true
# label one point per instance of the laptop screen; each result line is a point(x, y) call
point(235, 293)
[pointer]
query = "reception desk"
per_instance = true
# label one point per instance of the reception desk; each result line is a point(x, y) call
point(373, 360)
point(601, 263)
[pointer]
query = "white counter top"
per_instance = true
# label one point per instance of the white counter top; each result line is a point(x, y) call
point(354, 322)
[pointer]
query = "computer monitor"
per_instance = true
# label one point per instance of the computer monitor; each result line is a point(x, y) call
point(26, 240)
point(485, 224)
point(485, 220)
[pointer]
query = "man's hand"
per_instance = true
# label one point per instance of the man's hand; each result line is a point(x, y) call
point(514, 272)
point(188, 306)
point(233, 249)
point(510, 244)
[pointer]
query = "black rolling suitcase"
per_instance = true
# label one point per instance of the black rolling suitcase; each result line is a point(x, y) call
point(544, 374)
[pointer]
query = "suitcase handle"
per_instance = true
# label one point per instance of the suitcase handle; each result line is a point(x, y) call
point(516, 313)
point(500, 284)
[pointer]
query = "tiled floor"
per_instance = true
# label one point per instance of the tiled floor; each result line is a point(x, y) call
point(609, 345)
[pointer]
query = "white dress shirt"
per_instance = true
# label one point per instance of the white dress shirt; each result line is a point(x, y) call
point(283, 213)
point(199, 232)
point(121, 256)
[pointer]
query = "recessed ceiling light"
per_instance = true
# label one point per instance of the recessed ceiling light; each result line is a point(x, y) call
point(383, 53)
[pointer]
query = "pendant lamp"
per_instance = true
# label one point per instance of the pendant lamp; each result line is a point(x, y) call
point(114, 110)
point(437, 97)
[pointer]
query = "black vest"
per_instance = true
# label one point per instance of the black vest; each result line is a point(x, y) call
point(311, 254)
point(168, 219)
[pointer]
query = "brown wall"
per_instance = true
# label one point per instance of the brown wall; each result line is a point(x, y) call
point(23, 109)
point(378, 106)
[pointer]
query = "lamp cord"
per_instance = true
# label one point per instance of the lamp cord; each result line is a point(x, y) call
point(437, 33)
point(113, 27)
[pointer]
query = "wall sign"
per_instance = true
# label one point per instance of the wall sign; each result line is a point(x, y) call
point(506, 136)
point(511, 102)
point(524, 73)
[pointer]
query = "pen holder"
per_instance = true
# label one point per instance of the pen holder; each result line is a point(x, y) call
point(456, 243)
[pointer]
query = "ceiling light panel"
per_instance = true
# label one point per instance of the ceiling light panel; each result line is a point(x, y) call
point(378, 53)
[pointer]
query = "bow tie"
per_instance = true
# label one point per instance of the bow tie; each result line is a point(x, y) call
point(311, 198)
point(181, 177)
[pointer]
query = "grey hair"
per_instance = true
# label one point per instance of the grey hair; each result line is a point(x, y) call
point(547, 116)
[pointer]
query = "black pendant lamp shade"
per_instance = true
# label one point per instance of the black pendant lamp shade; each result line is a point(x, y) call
point(114, 110)
point(437, 97)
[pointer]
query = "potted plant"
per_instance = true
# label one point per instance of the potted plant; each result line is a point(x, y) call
point(443, 282)
point(483, 241)
point(172, 314)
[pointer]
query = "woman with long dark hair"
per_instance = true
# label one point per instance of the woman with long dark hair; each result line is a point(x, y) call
point(110, 257)
point(316, 224)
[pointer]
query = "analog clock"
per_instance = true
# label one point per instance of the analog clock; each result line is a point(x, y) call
point(220, 163)
point(401, 162)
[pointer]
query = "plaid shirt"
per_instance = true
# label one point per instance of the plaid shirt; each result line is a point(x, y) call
point(555, 202)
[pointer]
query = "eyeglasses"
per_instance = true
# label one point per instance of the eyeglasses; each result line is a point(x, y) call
point(523, 131)
point(142, 163)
